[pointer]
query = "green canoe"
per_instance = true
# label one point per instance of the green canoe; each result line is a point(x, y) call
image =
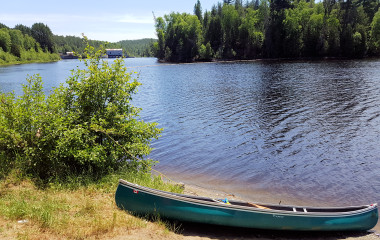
point(146, 201)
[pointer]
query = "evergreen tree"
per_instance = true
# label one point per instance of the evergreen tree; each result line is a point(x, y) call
point(3, 26)
point(275, 35)
point(198, 10)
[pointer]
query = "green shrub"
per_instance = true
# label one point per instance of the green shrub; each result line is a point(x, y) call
point(7, 57)
point(85, 127)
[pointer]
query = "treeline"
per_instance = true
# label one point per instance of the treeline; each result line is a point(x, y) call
point(66, 44)
point(51, 43)
point(271, 29)
point(131, 48)
point(37, 43)
point(24, 44)
point(138, 48)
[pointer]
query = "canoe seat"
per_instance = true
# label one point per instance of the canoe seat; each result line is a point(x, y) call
point(257, 206)
point(299, 210)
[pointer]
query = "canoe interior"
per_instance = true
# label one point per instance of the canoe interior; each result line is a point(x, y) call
point(286, 208)
point(269, 206)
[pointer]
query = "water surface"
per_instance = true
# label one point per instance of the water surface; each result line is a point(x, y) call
point(299, 132)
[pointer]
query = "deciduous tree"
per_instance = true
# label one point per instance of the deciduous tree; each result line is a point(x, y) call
point(17, 45)
point(5, 40)
point(375, 34)
point(43, 35)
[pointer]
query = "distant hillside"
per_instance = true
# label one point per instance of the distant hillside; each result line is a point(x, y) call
point(131, 48)
point(137, 48)
point(76, 44)
point(23, 44)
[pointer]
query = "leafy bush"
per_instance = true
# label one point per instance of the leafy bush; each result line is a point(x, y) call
point(6, 57)
point(85, 127)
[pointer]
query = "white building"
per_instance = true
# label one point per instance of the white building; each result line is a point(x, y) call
point(114, 53)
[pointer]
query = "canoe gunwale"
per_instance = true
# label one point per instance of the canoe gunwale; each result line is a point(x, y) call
point(209, 202)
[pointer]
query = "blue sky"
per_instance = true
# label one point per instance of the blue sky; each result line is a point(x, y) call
point(111, 20)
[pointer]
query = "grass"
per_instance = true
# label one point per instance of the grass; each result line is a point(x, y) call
point(75, 211)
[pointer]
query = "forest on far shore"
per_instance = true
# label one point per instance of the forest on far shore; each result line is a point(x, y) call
point(232, 29)
point(23, 44)
point(270, 29)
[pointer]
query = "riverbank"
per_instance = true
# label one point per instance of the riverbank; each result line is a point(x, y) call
point(27, 62)
point(27, 57)
point(90, 213)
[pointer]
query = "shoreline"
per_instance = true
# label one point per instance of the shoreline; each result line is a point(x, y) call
point(303, 59)
point(27, 62)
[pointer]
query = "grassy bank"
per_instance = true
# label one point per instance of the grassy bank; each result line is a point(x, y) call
point(74, 210)
point(30, 56)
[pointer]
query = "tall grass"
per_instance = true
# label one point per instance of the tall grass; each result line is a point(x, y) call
point(27, 203)
point(77, 209)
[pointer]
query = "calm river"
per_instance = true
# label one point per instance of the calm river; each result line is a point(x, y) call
point(299, 132)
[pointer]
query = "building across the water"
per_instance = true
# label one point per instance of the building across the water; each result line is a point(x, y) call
point(114, 53)
point(69, 55)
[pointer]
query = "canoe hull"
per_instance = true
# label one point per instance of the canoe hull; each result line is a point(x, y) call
point(145, 201)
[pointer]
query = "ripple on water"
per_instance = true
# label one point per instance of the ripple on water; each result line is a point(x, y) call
point(300, 132)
